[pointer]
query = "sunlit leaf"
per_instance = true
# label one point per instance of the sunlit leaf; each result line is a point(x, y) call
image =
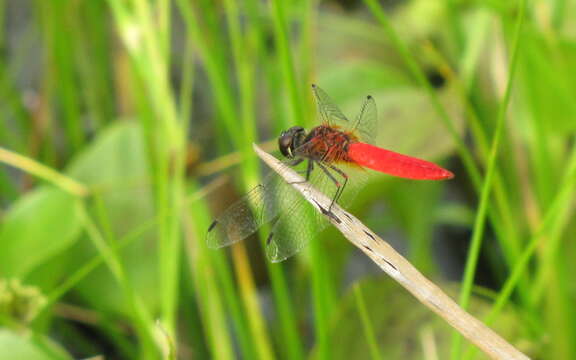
point(38, 226)
point(116, 166)
point(19, 347)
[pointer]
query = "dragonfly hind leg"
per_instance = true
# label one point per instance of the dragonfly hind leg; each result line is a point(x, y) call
point(339, 186)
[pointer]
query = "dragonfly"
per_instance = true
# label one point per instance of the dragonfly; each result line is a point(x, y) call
point(334, 157)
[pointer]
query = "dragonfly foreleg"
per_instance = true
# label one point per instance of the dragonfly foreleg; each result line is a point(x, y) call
point(295, 162)
point(309, 169)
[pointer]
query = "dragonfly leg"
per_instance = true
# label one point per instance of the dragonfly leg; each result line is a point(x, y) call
point(295, 162)
point(309, 169)
point(339, 186)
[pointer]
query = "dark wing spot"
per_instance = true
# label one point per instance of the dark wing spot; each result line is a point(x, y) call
point(269, 239)
point(213, 225)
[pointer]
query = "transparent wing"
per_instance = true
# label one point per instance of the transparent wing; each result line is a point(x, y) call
point(295, 220)
point(292, 231)
point(329, 112)
point(366, 123)
point(302, 222)
point(245, 216)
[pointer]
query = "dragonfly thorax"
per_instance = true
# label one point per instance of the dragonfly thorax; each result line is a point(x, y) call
point(290, 140)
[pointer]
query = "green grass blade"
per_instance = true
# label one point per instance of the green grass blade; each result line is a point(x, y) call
point(286, 60)
point(418, 74)
point(479, 223)
point(367, 324)
point(142, 320)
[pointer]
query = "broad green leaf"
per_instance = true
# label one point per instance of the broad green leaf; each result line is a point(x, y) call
point(20, 347)
point(547, 84)
point(40, 225)
point(366, 75)
point(115, 165)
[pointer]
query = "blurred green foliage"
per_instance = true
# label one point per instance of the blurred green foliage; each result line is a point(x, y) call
point(127, 125)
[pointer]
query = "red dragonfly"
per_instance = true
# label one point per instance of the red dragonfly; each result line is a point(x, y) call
point(341, 149)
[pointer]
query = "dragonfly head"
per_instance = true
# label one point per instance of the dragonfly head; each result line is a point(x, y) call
point(291, 139)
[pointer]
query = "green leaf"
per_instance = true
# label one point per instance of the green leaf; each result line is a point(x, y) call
point(546, 76)
point(18, 347)
point(116, 166)
point(40, 225)
point(366, 75)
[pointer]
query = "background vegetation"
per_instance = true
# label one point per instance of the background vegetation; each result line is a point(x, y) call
point(127, 125)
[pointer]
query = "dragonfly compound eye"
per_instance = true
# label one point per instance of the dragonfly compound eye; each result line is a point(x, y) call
point(284, 144)
point(290, 140)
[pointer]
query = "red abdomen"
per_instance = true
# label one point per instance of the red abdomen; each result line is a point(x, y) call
point(395, 164)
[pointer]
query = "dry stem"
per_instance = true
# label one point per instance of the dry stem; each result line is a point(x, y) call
point(398, 267)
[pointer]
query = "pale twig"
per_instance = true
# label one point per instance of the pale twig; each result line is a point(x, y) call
point(398, 267)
